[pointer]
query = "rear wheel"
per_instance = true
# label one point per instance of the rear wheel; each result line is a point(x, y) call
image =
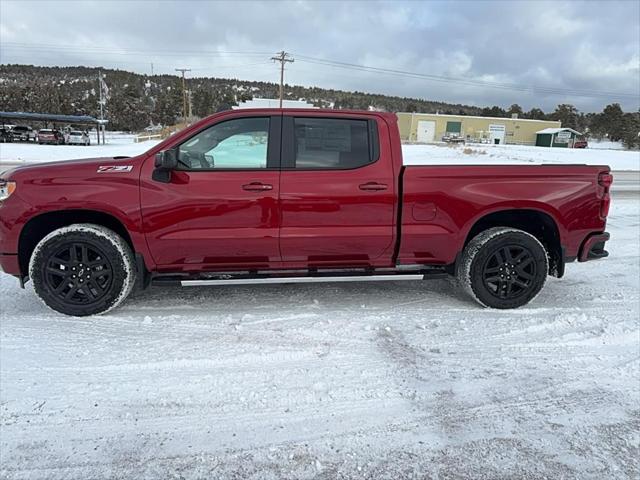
point(82, 269)
point(503, 267)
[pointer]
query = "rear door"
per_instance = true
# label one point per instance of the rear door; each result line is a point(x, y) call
point(337, 191)
point(220, 208)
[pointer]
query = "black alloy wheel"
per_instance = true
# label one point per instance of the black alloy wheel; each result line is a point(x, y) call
point(503, 267)
point(509, 272)
point(79, 274)
point(82, 269)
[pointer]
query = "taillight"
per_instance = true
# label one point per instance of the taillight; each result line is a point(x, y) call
point(605, 180)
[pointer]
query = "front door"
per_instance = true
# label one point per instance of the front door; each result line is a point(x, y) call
point(220, 208)
point(337, 192)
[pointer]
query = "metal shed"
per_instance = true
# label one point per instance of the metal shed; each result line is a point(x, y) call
point(557, 137)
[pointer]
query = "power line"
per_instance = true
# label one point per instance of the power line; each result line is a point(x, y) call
point(282, 57)
point(557, 91)
point(75, 49)
point(169, 65)
point(469, 82)
point(121, 51)
point(465, 81)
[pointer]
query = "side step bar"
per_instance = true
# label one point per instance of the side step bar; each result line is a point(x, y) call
point(303, 279)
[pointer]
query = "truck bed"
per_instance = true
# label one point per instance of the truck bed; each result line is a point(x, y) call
point(440, 203)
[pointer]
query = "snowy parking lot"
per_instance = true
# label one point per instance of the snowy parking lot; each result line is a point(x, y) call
point(366, 380)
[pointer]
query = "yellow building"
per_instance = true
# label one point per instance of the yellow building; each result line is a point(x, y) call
point(429, 128)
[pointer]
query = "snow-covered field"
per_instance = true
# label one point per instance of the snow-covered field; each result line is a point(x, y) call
point(12, 154)
point(19, 153)
point(479, 154)
point(364, 380)
point(606, 145)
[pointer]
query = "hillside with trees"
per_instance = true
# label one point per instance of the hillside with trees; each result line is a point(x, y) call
point(133, 101)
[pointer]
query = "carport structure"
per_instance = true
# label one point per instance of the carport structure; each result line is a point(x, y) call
point(53, 119)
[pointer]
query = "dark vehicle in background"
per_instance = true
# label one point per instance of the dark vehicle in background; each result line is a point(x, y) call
point(23, 133)
point(50, 136)
point(5, 135)
point(580, 143)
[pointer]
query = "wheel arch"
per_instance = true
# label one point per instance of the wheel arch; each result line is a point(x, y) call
point(539, 223)
point(41, 225)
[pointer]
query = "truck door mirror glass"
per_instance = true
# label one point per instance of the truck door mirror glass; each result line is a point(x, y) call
point(166, 160)
point(164, 163)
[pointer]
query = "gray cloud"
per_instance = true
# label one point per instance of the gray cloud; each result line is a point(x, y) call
point(564, 46)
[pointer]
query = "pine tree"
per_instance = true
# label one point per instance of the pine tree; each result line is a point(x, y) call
point(630, 134)
point(567, 114)
point(514, 109)
point(126, 110)
point(535, 114)
point(169, 105)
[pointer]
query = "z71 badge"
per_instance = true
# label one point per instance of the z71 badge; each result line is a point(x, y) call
point(115, 168)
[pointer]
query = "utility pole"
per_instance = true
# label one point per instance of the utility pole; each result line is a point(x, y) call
point(184, 93)
point(282, 57)
point(101, 124)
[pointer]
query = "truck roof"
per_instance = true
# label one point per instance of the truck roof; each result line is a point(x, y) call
point(314, 111)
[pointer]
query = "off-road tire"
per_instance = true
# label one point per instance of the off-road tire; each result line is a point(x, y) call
point(491, 272)
point(82, 253)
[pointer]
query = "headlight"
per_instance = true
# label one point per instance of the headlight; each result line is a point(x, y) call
point(6, 189)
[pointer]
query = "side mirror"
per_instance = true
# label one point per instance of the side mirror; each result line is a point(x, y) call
point(167, 160)
point(164, 163)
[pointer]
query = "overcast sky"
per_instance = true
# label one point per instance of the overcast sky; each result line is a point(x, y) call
point(560, 47)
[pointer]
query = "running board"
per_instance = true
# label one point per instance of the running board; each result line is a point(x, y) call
point(302, 279)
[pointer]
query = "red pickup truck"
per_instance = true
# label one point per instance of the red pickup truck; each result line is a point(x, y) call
point(270, 196)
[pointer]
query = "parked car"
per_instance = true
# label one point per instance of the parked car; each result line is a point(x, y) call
point(77, 137)
point(47, 135)
point(270, 196)
point(5, 135)
point(580, 143)
point(23, 133)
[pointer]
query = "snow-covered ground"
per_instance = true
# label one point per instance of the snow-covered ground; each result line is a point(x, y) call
point(605, 145)
point(389, 380)
point(364, 380)
point(479, 154)
point(17, 153)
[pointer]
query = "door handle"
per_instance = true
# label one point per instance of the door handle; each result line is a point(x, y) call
point(372, 186)
point(257, 187)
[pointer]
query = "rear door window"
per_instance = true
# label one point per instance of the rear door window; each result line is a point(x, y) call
point(330, 143)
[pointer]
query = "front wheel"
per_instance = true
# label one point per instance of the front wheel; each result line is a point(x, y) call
point(503, 267)
point(82, 269)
